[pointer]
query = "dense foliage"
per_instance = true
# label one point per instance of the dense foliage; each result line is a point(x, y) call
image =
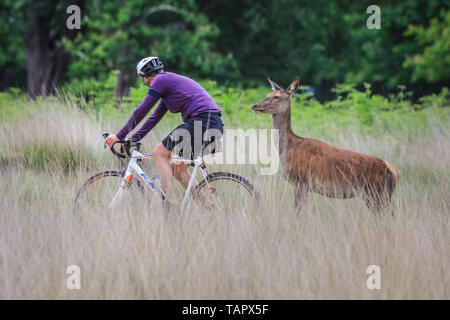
point(434, 63)
point(241, 42)
point(118, 35)
point(353, 108)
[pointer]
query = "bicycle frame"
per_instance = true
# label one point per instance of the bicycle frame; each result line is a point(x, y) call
point(133, 167)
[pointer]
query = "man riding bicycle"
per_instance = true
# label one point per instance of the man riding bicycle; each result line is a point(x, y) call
point(176, 93)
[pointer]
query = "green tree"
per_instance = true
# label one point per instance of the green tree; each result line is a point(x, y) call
point(320, 41)
point(12, 54)
point(378, 55)
point(45, 23)
point(115, 35)
point(434, 63)
point(323, 42)
point(281, 38)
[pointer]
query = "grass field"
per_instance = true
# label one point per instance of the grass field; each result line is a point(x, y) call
point(50, 148)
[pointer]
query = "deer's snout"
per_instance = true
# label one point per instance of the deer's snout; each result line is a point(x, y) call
point(254, 107)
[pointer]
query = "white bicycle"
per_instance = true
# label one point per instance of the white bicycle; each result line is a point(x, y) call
point(222, 191)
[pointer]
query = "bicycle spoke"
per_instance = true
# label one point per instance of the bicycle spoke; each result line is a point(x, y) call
point(103, 192)
point(226, 193)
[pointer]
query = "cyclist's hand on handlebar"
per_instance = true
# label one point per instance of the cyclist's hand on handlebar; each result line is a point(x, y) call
point(111, 139)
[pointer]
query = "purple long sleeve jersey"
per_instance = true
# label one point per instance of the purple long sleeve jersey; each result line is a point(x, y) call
point(178, 94)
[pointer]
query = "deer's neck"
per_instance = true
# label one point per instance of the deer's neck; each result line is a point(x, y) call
point(282, 122)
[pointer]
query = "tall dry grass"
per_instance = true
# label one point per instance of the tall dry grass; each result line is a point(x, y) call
point(269, 254)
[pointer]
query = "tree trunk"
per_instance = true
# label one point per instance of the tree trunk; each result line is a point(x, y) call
point(46, 63)
point(124, 82)
point(125, 78)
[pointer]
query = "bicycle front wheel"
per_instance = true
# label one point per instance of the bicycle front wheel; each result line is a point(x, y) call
point(228, 192)
point(103, 192)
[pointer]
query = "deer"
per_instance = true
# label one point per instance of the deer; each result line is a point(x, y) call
point(311, 165)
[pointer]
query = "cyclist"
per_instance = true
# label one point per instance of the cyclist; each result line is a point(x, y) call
point(176, 93)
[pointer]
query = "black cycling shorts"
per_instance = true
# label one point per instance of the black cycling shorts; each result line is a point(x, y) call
point(198, 135)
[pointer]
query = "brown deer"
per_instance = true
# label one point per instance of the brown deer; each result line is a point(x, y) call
point(314, 166)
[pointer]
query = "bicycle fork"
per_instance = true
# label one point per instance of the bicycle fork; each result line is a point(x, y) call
point(134, 167)
point(119, 194)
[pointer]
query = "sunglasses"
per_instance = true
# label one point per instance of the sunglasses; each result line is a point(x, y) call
point(148, 75)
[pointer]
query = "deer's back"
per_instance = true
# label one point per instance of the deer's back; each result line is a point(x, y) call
point(329, 167)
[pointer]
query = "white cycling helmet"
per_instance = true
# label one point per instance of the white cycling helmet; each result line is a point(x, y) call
point(149, 66)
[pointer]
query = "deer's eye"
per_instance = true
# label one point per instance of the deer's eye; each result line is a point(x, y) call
point(276, 97)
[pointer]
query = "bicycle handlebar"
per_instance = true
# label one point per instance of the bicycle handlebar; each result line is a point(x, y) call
point(127, 143)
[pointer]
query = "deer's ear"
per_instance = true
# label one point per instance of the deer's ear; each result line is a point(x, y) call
point(293, 86)
point(274, 85)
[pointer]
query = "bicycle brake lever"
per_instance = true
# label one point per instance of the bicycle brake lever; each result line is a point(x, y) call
point(105, 135)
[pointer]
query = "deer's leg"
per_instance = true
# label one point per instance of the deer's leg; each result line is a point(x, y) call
point(377, 200)
point(300, 195)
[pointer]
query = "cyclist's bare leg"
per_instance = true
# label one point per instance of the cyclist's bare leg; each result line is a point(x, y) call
point(166, 171)
point(161, 156)
point(180, 172)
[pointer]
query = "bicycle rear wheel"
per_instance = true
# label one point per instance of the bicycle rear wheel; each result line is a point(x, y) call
point(102, 192)
point(228, 192)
